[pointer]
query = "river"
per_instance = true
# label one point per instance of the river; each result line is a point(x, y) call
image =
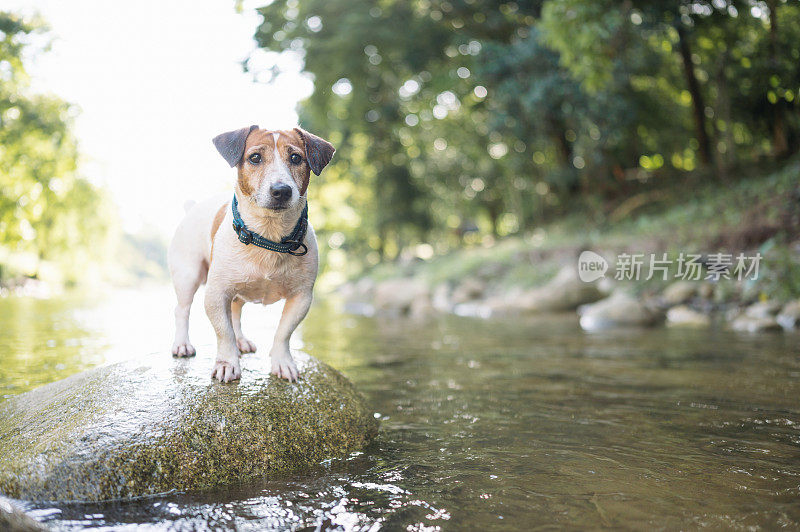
point(522, 424)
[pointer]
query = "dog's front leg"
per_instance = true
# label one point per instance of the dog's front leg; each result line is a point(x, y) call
point(294, 311)
point(218, 309)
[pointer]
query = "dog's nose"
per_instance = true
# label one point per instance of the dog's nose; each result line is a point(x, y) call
point(280, 191)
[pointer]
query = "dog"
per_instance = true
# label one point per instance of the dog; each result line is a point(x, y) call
point(221, 242)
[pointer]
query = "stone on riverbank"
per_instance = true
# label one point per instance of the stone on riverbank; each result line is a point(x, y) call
point(159, 424)
point(683, 316)
point(468, 290)
point(762, 309)
point(564, 292)
point(619, 310)
point(400, 296)
point(789, 316)
point(679, 292)
point(750, 324)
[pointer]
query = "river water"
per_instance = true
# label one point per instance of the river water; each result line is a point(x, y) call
point(521, 424)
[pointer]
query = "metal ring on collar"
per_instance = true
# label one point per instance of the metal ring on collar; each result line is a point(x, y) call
point(296, 245)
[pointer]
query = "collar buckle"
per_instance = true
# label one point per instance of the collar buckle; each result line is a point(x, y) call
point(294, 245)
point(245, 235)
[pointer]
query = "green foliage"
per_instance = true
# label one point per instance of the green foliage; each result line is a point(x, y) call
point(459, 115)
point(48, 214)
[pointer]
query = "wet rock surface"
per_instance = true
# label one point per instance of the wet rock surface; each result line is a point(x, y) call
point(159, 424)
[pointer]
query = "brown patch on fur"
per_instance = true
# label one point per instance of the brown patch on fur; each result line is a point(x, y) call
point(244, 184)
point(249, 178)
point(259, 141)
point(215, 225)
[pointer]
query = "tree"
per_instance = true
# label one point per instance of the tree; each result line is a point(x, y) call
point(46, 210)
point(452, 113)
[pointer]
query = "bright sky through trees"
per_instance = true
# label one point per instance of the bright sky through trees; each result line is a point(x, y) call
point(154, 82)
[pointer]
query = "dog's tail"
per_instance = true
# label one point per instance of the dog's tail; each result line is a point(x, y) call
point(188, 205)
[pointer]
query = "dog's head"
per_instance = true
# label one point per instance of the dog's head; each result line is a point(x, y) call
point(274, 166)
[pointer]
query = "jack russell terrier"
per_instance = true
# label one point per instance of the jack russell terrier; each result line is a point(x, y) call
point(257, 247)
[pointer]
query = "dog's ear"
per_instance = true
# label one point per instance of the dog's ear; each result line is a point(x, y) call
point(318, 151)
point(231, 144)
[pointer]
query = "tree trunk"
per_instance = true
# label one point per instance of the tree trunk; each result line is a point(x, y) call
point(381, 242)
point(494, 210)
point(698, 107)
point(726, 158)
point(780, 143)
point(566, 152)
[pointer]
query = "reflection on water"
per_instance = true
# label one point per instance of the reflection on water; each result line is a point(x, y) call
point(517, 424)
point(46, 340)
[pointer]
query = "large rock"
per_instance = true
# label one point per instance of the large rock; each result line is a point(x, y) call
point(564, 292)
point(159, 424)
point(619, 310)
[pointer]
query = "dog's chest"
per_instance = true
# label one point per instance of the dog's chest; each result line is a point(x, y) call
point(268, 280)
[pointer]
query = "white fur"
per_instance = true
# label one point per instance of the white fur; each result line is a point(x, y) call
point(237, 273)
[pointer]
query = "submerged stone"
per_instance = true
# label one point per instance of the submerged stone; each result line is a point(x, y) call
point(158, 424)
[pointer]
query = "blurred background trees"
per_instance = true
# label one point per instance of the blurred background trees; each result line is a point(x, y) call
point(47, 213)
point(455, 122)
point(54, 225)
point(460, 118)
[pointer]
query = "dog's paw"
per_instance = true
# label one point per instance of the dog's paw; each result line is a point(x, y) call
point(245, 345)
point(183, 349)
point(284, 368)
point(226, 371)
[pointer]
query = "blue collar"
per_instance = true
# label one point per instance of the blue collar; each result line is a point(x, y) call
point(288, 244)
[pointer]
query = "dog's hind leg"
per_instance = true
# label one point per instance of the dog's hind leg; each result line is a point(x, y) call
point(186, 284)
point(245, 345)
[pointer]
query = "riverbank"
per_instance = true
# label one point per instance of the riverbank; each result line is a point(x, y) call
point(705, 253)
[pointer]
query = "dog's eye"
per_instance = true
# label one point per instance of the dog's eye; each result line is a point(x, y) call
point(255, 158)
point(296, 159)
